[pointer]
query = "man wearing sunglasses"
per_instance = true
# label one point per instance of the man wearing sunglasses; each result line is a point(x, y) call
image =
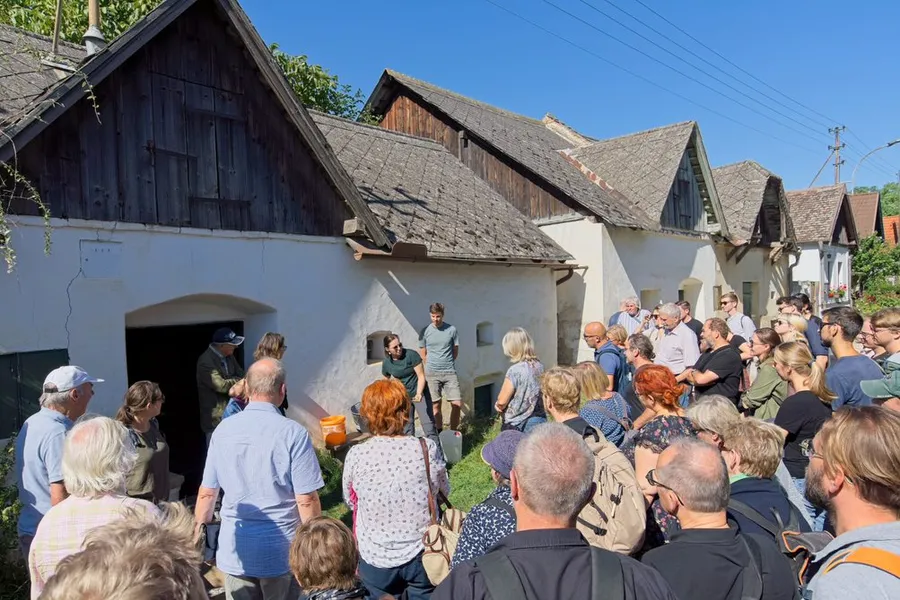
point(707, 558)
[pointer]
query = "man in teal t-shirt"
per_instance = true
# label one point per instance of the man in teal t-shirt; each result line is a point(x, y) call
point(439, 343)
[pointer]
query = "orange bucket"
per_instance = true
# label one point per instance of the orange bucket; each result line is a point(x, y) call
point(334, 430)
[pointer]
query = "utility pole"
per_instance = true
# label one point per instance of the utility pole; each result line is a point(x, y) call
point(838, 146)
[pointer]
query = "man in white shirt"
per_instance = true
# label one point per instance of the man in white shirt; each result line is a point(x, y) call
point(739, 323)
point(678, 348)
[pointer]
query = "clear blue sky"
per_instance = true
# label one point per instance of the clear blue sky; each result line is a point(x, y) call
point(838, 59)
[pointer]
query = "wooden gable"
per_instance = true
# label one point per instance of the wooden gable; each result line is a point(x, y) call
point(769, 223)
point(186, 134)
point(844, 228)
point(408, 114)
point(684, 208)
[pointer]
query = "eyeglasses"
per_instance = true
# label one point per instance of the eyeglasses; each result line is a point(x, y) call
point(724, 302)
point(587, 337)
point(809, 451)
point(651, 478)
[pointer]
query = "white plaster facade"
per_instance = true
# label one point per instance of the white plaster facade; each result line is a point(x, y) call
point(819, 268)
point(102, 278)
point(767, 281)
point(653, 266)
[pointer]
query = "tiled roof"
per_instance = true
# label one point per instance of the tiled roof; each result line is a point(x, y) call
point(23, 77)
point(814, 212)
point(641, 165)
point(528, 142)
point(866, 209)
point(892, 230)
point(421, 194)
point(741, 188)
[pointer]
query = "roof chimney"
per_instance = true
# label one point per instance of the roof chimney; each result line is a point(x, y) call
point(93, 37)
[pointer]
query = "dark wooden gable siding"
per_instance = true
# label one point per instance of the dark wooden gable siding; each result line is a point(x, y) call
point(769, 223)
point(842, 233)
point(684, 206)
point(188, 135)
point(534, 198)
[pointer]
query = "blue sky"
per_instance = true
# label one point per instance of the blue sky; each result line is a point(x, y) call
point(841, 63)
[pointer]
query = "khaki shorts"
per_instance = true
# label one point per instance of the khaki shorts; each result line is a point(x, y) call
point(444, 385)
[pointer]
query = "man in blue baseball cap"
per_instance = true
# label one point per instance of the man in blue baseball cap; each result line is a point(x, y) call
point(217, 371)
point(487, 523)
point(884, 392)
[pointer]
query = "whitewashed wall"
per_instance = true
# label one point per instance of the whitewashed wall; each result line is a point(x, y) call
point(622, 262)
point(308, 288)
point(771, 278)
point(814, 266)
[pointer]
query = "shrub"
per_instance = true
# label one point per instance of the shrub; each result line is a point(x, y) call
point(13, 571)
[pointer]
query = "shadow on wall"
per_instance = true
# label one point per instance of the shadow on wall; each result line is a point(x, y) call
point(570, 293)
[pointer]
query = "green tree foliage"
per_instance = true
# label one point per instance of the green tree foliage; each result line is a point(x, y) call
point(890, 196)
point(873, 261)
point(38, 16)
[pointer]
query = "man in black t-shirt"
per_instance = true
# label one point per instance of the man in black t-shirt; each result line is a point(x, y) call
point(686, 318)
point(719, 370)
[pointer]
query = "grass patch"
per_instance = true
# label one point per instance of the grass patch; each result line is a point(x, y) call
point(470, 479)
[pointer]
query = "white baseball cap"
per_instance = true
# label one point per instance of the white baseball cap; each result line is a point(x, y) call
point(68, 378)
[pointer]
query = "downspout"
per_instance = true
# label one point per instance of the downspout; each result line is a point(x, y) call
point(566, 277)
point(93, 37)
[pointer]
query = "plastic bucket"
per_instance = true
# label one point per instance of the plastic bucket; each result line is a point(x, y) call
point(451, 442)
point(334, 430)
point(358, 419)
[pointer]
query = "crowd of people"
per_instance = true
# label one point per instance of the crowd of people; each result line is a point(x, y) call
point(688, 459)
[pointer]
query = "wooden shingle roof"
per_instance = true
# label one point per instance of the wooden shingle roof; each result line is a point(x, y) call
point(866, 213)
point(421, 194)
point(26, 71)
point(526, 141)
point(643, 165)
point(742, 188)
point(814, 211)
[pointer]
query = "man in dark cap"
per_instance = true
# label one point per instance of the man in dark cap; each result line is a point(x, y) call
point(217, 371)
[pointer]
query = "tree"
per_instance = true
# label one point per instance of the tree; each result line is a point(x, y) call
point(873, 261)
point(38, 16)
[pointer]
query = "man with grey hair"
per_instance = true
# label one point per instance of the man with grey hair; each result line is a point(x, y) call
point(632, 317)
point(707, 558)
point(678, 349)
point(268, 468)
point(547, 558)
point(97, 455)
point(39, 446)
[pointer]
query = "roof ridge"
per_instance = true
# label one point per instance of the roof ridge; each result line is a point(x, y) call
point(645, 131)
point(750, 162)
point(515, 115)
point(820, 187)
point(43, 38)
point(375, 128)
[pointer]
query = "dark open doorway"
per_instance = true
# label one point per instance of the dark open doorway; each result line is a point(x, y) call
point(168, 356)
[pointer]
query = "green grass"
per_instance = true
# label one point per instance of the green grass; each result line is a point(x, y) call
point(470, 479)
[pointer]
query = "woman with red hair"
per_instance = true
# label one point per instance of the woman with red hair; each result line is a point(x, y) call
point(387, 474)
point(657, 389)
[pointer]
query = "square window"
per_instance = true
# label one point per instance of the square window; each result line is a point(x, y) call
point(484, 334)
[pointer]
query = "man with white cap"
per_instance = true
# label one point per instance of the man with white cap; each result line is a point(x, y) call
point(217, 371)
point(39, 446)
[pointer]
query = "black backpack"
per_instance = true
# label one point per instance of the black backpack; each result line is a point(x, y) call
point(798, 547)
point(503, 583)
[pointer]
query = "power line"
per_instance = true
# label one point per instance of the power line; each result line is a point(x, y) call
point(877, 157)
point(676, 70)
point(822, 168)
point(823, 125)
point(736, 66)
point(647, 80)
point(711, 76)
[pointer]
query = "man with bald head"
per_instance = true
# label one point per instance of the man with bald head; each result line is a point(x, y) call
point(268, 468)
point(547, 558)
point(606, 354)
point(707, 558)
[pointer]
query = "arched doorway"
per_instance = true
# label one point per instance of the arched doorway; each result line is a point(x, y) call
point(162, 344)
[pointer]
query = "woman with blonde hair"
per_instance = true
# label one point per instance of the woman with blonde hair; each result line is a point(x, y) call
point(802, 414)
point(617, 334)
point(272, 345)
point(149, 478)
point(604, 409)
point(791, 328)
point(519, 400)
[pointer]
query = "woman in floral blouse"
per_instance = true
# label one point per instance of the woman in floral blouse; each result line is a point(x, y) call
point(386, 486)
point(655, 385)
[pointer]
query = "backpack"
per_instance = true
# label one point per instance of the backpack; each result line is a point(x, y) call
point(621, 370)
point(503, 583)
point(798, 547)
point(883, 560)
point(616, 517)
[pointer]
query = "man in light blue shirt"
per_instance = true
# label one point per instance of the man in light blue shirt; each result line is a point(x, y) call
point(678, 349)
point(268, 468)
point(39, 446)
point(439, 346)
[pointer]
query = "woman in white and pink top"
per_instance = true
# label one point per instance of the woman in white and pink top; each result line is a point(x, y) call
point(97, 455)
